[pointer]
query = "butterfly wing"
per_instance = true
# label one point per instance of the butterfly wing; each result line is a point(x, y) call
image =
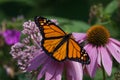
point(52, 37)
point(56, 45)
point(61, 53)
point(76, 53)
point(49, 29)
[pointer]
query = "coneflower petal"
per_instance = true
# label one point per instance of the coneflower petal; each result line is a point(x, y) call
point(106, 60)
point(114, 50)
point(79, 37)
point(115, 41)
point(99, 56)
point(57, 74)
point(91, 68)
point(74, 71)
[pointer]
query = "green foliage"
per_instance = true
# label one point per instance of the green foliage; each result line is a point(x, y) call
point(99, 75)
point(111, 7)
point(3, 74)
point(23, 76)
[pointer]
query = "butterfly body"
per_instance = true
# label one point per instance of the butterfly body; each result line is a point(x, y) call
point(65, 39)
point(58, 44)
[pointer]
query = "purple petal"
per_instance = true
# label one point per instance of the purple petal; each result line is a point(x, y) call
point(106, 61)
point(42, 72)
point(99, 56)
point(58, 74)
point(91, 68)
point(74, 70)
point(114, 50)
point(115, 41)
point(79, 36)
point(37, 61)
point(50, 71)
point(44, 69)
point(11, 36)
point(54, 71)
point(88, 48)
point(11, 40)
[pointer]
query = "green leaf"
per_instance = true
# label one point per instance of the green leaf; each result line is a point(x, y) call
point(111, 7)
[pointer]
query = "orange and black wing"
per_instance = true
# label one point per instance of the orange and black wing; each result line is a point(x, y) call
point(49, 29)
point(57, 45)
point(77, 53)
point(60, 53)
point(52, 37)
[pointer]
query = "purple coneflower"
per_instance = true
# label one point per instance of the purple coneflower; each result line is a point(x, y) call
point(32, 58)
point(11, 36)
point(100, 48)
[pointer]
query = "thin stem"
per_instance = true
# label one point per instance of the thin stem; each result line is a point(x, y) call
point(103, 70)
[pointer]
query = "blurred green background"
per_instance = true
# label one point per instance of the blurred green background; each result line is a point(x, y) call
point(77, 9)
point(72, 16)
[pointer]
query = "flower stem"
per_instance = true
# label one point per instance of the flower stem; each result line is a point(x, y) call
point(103, 71)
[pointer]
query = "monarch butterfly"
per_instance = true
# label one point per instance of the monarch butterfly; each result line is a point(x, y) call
point(58, 44)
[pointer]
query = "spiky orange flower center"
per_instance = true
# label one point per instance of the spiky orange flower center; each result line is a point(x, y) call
point(98, 35)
